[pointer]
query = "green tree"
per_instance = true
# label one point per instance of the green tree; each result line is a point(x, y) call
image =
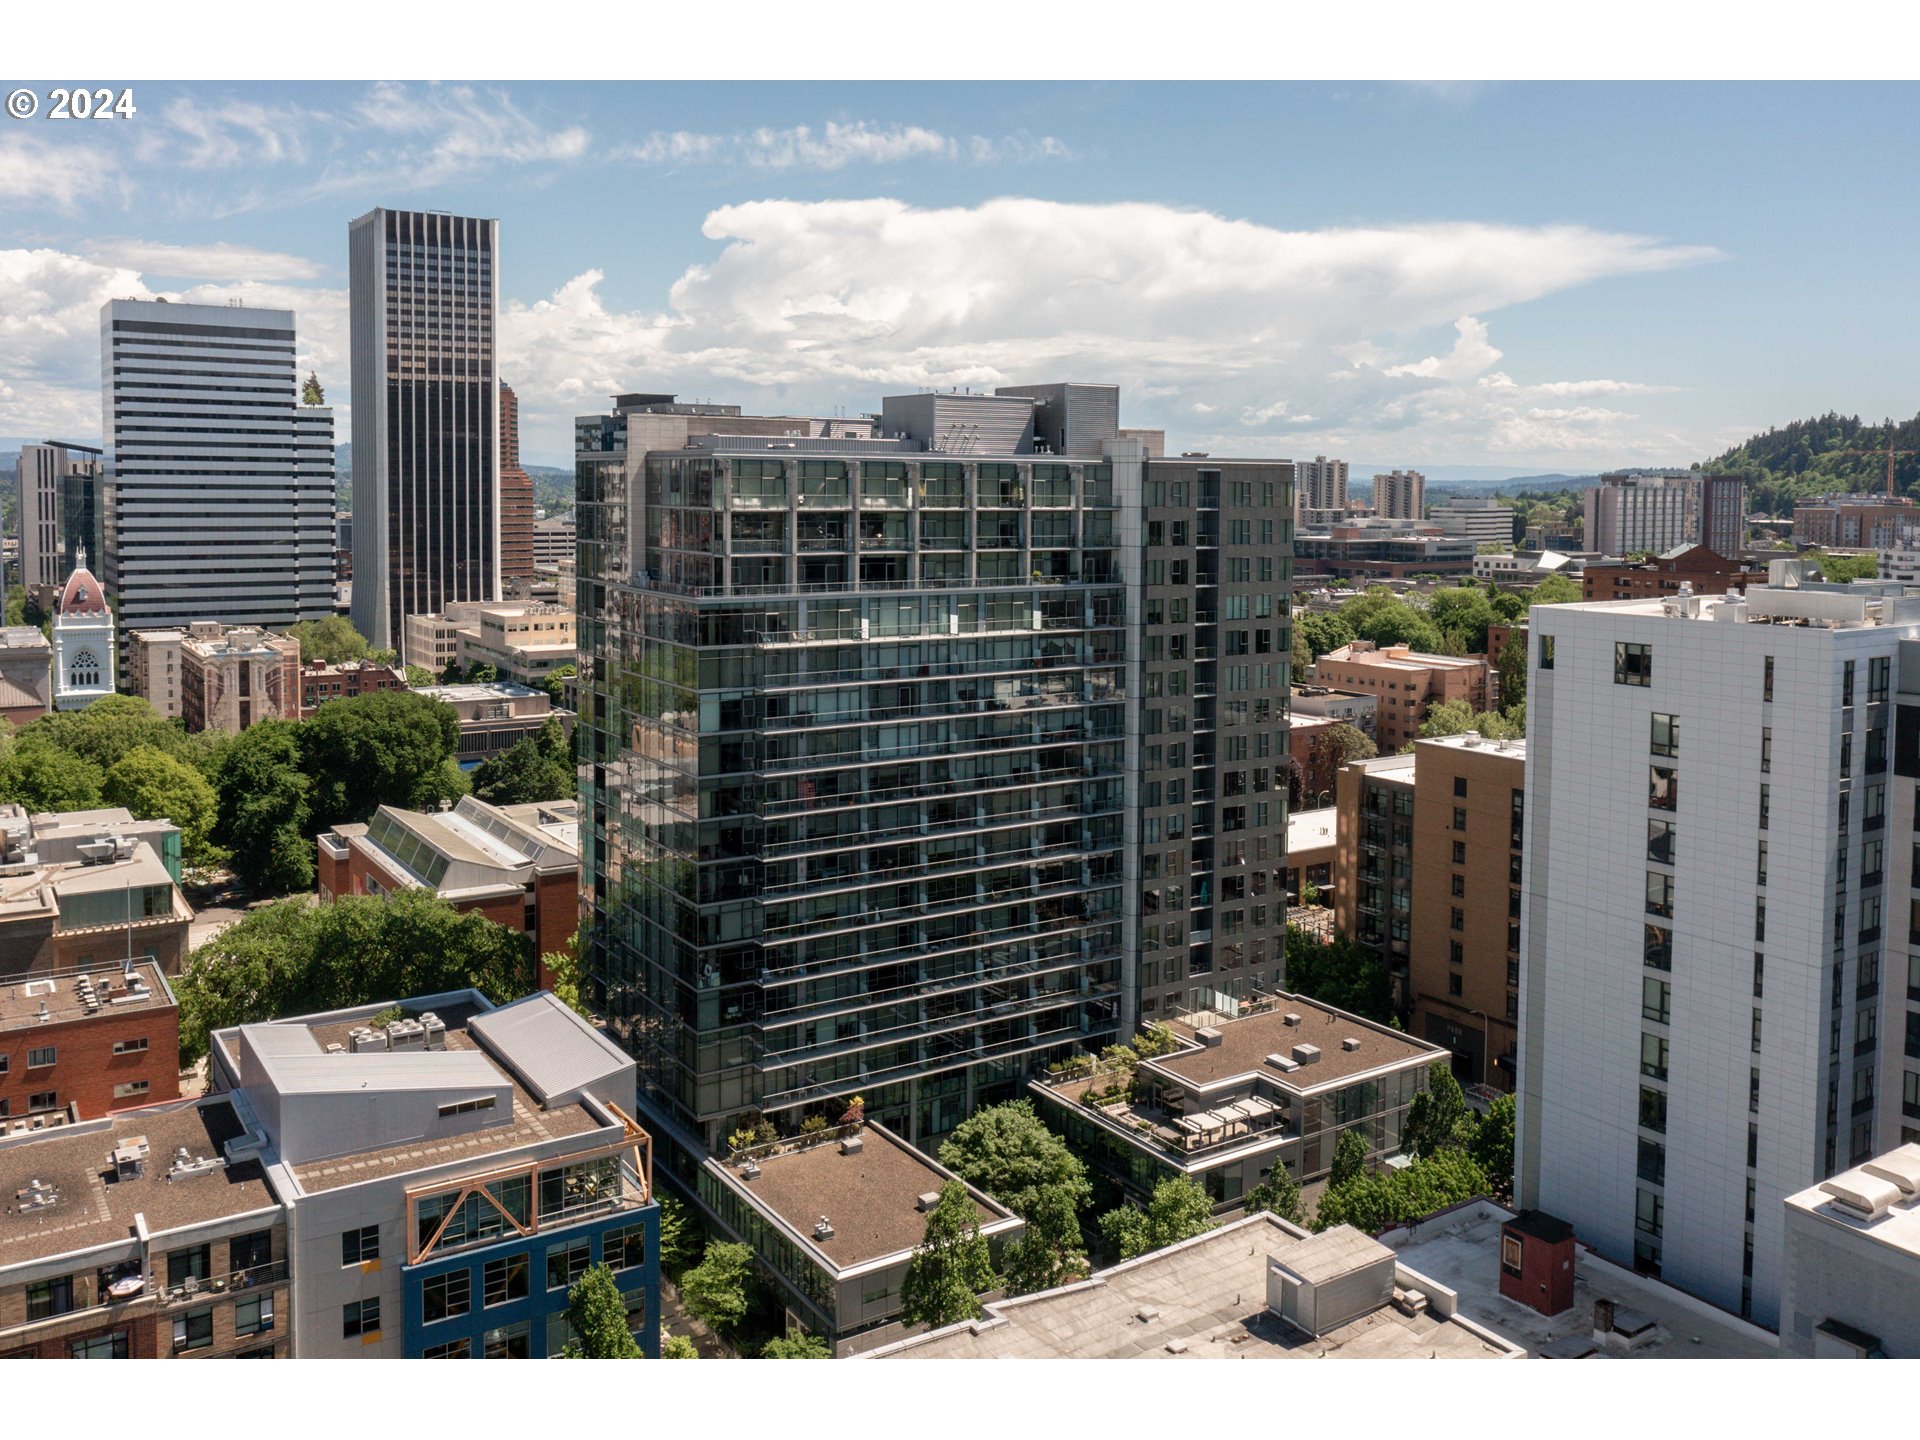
point(1449, 717)
point(1052, 1251)
point(1349, 743)
point(155, 786)
point(679, 1235)
point(41, 777)
point(1555, 590)
point(106, 730)
point(1321, 631)
point(565, 980)
point(454, 674)
point(1840, 569)
point(677, 1347)
point(1371, 1203)
point(265, 819)
point(331, 641)
point(1341, 972)
point(310, 391)
point(1464, 613)
point(1512, 670)
point(1278, 1194)
point(482, 673)
point(950, 1266)
point(1178, 1210)
point(556, 684)
point(1349, 1157)
point(1385, 620)
point(1492, 1146)
point(522, 774)
point(1439, 1117)
point(293, 957)
point(720, 1288)
point(392, 747)
point(419, 676)
point(597, 1315)
point(1008, 1152)
point(796, 1345)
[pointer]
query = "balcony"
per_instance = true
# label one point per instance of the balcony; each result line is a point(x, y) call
point(196, 1291)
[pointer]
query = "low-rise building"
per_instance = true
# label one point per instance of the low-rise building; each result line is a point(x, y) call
point(1854, 522)
point(320, 682)
point(835, 1218)
point(1406, 683)
point(1274, 1082)
point(522, 640)
point(447, 1175)
point(432, 641)
point(1695, 568)
point(26, 674)
point(1313, 760)
point(69, 837)
point(1256, 1289)
point(117, 901)
point(519, 865)
point(87, 1042)
point(495, 716)
point(1530, 567)
point(1373, 547)
point(1853, 1262)
point(153, 1234)
point(1322, 701)
point(1312, 844)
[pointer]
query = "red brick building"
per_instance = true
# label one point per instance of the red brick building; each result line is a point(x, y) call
point(1405, 682)
point(516, 494)
point(320, 683)
point(519, 865)
point(101, 1038)
point(1310, 747)
point(1695, 565)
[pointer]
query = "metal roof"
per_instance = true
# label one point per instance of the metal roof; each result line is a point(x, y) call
point(555, 1053)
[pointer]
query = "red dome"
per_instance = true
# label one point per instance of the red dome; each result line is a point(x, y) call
point(83, 595)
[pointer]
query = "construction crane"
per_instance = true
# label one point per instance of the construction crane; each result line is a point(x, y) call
point(1889, 452)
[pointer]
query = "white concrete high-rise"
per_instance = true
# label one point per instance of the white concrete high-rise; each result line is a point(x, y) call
point(1400, 495)
point(1630, 514)
point(1703, 915)
point(220, 489)
point(426, 431)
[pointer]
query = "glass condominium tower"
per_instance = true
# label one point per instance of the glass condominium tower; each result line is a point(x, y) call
point(426, 429)
point(901, 747)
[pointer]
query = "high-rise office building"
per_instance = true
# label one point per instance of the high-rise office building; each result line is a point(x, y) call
point(61, 511)
point(1632, 514)
point(516, 495)
point(911, 763)
point(1400, 495)
point(426, 426)
point(220, 484)
point(1705, 916)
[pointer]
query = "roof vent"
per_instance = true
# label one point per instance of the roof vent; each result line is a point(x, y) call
point(1282, 1063)
point(1147, 1313)
point(750, 1171)
point(852, 1145)
point(1860, 1196)
point(1293, 1017)
point(930, 1200)
point(1305, 1054)
point(823, 1229)
point(1207, 1036)
point(1900, 1168)
point(38, 1195)
point(1352, 1042)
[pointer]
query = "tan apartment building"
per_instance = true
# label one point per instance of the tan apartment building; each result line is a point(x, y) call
point(523, 641)
point(218, 677)
point(155, 670)
point(1464, 960)
point(433, 641)
point(26, 674)
point(1405, 683)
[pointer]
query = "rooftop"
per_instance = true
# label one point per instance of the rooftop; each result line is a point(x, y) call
point(94, 1207)
point(1310, 830)
point(1244, 1045)
point(871, 1197)
point(1202, 1299)
point(106, 989)
point(492, 690)
point(1396, 657)
point(1879, 1199)
point(1472, 740)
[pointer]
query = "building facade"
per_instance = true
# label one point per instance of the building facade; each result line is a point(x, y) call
point(553, 542)
point(1320, 484)
point(427, 427)
point(87, 1042)
point(1855, 522)
point(1628, 514)
point(83, 642)
point(26, 674)
point(232, 676)
point(1400, 495)
point(220, 486)
point(1704, 919)
point(1723, 515)
point(62, 511)
point(495, 716)
point(524, 641)
point(516, 495)
point(1697, 567)
point(1485, 522)
point(1405, 684)
point(320, 682)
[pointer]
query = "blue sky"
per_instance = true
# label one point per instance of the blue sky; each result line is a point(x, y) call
point(1527, 276)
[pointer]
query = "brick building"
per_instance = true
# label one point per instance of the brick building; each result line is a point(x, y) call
point(516, 494)
point(519, 865)
point(217, 677)
point(102, 1039)
point(320, 683)
point(495, 716)
point(1406, 684)
point(1854, 522)
point(1693, 565)
point(1314, 760)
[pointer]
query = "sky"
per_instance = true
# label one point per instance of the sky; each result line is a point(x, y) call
point(1517, 276)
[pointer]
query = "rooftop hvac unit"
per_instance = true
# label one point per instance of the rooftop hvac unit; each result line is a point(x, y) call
point(129, 1157)
point(1208, 1036)
point(1282, 1064)
point(435, 1031)
point(1306, 1054)
point(1293, 1018)
point(928, 1201)
point(852, 1145)
point(1352, 1042)
point(823, 1229)
point(365, 1039)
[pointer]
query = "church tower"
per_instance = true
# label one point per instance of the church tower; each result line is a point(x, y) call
point(83, 641)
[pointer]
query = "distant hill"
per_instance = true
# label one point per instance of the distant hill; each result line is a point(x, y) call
point(1803, 458)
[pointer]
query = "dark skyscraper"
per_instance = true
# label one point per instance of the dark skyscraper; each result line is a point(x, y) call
point(516, 494)
point(426, 430)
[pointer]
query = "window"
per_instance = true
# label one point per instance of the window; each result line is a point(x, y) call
point(1766, 691)
point(360, 1317)
point(1766, 804)
point(1460, 786)
point(359, 1246)
point(1659, 947)
point(111, 1346)
point(1459, 886)
point(1653, 1057)
point(445, 1296)
point(248, 1252)
point(461, 1349)
point(131, 1089)
point(1663, 787)
point(1760, 877)
point(509, 1342)
point(1653, 1109)
point(1656, 1000)
point(1659, 894)
point(624, 1248)
point(505, 1279)
point(1459, 919)
point(48, 1298)
point(1632, 664)
point(1909, 1093)
point(567, 1263)
point(130, 1047)
point(1666, 735)
point(1660, 841)
point(253, 1317)
point(194, 1263)
point(1878, 671)
point(1652, 1162)
point(1453, 985)
point(1846, 683)
point(40, 1058)
point(1459, 818)
point(1546, 652)
point(1647, 1212)
point(1459, 852)
point(193, 1330)
point(1766, 752)
point(43, 1100)
point(463, 1107)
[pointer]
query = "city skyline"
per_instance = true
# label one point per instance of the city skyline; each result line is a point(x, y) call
point(1416, 279)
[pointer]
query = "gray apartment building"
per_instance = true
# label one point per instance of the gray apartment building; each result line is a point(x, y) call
point(61, 512)
point(900, 734)
point(426, 387)
point(219, 502)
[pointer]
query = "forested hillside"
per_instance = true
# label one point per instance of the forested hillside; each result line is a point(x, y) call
point(1807, 458)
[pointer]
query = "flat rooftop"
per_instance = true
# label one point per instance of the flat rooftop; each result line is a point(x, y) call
point(492, 690)
point(1473, 740)
point(1199, 1300)
point(1245, 1044)
point(107, 992)
point(1462, 1251)
point(871, 1197)
point(95, 1208)
point(1813, 604)
point(1398, 660)
point(1310, 830)
point(1899, 1226)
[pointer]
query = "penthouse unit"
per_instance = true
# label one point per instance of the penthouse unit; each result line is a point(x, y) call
point(524, 641)
point(1697, 568)
point(495, 716)
point(71, 837)
point(116, 902)
point(1405, 684)
point(220, 486)
point(1855, 522)
point(155, 1234)
point(892, 742)
point(26, 674)
point(1705, 918)
point(1266, 1082)
point(834, 1218)
point(85, 1042)
point(1853, 1262)
point(320, 682)
point(1257, 1289)
point(449, 1174)
point(519, 865)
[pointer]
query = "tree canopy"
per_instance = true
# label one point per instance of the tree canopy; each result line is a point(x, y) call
point(720, 1288)
point(1340, 972)
point(391, 747)
point(523, 773)
point(1349, 1157)
point(597, 1315)
point(796, 1345)
point(950, 1267)
point(1008, 1152)
point(265, 817)
point(331, 641)
point(1372, 1202)
point(152, 785)
point(1178, 1210)
point(1278, 1194)
point(293, 957)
